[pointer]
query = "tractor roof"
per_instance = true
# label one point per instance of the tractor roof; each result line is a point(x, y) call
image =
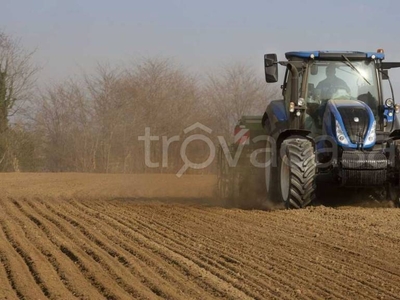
point(355, 55)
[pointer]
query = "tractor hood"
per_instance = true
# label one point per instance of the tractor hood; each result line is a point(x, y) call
point(350, 123)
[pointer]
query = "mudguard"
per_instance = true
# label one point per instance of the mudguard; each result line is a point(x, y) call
point(275, 119)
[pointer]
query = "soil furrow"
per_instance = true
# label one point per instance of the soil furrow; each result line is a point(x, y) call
point(75, 235)
point(35, 239)
point(183, 263)
point(357, 262)
point(213, 262)
point(30, 263)
point(295, 243)
point(181, 257)
point(66, 244)
point(158, 286)
point(291, 258)
point(228, 259)
point(203, 263)
point(367, 256)
point(210, 260)
point(290, 262)
point(9, 290)
point(135, 288)
point(17, 269)
point(67, 271)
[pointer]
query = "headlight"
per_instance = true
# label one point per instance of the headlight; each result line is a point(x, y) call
point(371, 137)
point(291, 107)
point(340, 134)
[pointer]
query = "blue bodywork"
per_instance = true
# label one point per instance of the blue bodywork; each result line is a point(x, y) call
point(316, 54)
point(388, 113)
point(329, 125)
point(277, 117)
point(279, 110)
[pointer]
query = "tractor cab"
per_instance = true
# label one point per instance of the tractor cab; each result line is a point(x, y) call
point(351, 80)
point(331, 80)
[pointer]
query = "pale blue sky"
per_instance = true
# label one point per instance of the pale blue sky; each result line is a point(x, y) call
point(70, 35)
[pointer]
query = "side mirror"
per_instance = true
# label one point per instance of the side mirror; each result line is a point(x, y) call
point(271, 67)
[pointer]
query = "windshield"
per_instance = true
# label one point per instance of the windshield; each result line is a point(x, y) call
point(346, 80)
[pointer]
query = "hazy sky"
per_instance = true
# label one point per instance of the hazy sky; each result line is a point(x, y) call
point(71, 35)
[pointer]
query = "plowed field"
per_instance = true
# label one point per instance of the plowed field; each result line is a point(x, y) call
point(68, 236)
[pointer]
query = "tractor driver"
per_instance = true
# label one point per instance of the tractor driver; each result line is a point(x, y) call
point(331, 83)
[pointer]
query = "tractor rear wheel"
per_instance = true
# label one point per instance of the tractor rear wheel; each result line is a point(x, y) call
point(296, 171)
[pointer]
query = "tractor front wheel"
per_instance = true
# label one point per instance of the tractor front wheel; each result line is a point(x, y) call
point(297, 169)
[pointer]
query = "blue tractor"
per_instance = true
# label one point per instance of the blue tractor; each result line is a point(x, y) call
point(332, 125)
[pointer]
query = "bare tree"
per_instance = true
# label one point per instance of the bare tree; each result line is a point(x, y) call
point(17, 76)
point(167, 99)
point(64, 128)
point(108, 103)
point(94, 125)
point(236, 91)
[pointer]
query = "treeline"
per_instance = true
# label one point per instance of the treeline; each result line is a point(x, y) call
point(93, 124)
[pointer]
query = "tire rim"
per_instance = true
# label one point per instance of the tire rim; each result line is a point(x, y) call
point(285, 178)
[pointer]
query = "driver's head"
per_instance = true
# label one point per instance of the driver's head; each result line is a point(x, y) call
point(330, 70)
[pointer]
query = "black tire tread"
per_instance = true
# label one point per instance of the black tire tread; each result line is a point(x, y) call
point(302, 172)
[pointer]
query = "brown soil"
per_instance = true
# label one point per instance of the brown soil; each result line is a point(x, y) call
point(66, 236)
